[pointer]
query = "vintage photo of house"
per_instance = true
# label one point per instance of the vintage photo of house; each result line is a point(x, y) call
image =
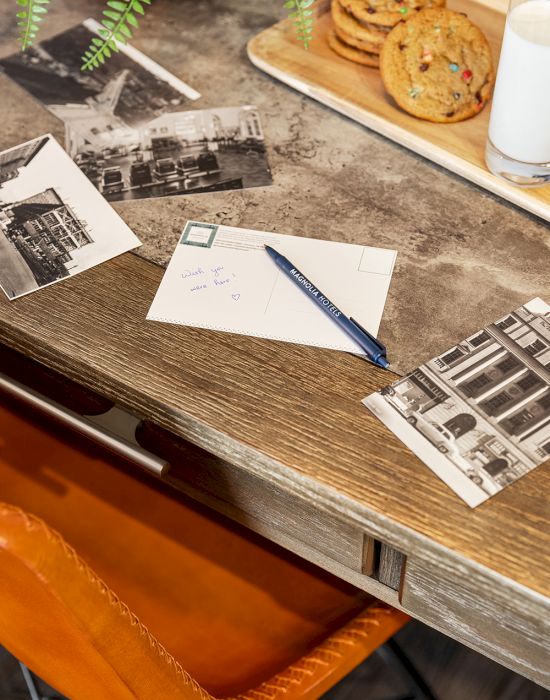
point(129, 90)
point(53, 223)
point(127, 126)
point(175, 153)
point(479, 414)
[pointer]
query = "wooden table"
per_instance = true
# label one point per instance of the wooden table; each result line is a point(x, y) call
point(300, 460)
point(275, 434)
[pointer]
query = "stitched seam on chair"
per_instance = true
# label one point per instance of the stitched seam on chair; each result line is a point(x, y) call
point(32, 522)
point(356, 630)
point(37, 575)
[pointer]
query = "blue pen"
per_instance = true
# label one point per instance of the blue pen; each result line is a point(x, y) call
point(373, 348)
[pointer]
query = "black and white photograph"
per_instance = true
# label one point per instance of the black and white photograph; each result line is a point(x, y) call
point(129, 128)
point(184, 152)
point(53, 222)
point(479, 414)
point(129, 90)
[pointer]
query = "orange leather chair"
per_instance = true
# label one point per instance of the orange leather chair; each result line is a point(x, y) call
point(147, 595)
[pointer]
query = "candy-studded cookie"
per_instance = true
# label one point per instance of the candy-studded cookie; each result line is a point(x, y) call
point(351, 32)
point(386, 13)
point(364, 58)
point(438, 66)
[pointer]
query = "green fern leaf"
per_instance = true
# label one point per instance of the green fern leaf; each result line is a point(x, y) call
point(112, 15)
point(131, 19)
point(302, 19)
point(117, 21)
point(30, 20)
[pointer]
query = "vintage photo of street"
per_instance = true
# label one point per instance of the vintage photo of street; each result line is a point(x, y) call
point(53, 222)
point(175, 153)
point(479, 414)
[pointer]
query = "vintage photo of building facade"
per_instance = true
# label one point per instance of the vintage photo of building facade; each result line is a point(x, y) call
point(481, 410)
point(44, 231)
point(53, 223)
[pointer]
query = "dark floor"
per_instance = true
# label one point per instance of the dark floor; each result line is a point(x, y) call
point(452, 671)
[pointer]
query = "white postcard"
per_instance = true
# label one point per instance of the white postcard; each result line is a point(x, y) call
point(221, 278)
point(53, 222)
point(478, 414)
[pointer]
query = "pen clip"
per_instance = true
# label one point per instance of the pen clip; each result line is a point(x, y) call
point(378, 344)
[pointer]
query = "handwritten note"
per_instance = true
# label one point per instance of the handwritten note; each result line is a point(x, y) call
point(221, 278)
point(214, 277)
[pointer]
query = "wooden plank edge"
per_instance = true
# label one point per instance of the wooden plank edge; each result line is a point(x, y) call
point(361, 580)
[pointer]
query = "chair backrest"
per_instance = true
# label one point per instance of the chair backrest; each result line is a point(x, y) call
point(62, 621)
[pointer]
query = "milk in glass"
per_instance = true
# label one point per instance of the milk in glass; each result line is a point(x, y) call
point(520, 116)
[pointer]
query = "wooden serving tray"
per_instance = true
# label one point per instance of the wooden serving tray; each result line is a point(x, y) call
point(357, 92)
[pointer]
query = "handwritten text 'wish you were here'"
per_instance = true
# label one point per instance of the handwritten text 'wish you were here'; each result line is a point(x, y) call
point(214, 277)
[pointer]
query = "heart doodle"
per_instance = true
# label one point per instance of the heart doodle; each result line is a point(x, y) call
point(236, 296)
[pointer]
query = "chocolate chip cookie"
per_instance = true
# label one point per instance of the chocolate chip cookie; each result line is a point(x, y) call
point(438, 66)
point(353, 33)
point(386, 13)
point(365, 58)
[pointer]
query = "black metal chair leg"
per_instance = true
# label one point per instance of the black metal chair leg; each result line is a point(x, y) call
point(396, 659)
point(29, 682)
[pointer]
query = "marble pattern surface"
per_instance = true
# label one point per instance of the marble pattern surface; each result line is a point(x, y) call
point(465, 257)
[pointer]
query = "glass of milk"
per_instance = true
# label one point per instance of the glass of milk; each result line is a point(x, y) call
point(518, 147)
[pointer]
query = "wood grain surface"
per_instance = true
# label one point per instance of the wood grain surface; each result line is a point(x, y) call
point(358, 92)
point(390, 567)
point(288, 412)
point(479, 611)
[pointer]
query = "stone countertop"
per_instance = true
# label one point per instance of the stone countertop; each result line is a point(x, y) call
point(465, 257)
